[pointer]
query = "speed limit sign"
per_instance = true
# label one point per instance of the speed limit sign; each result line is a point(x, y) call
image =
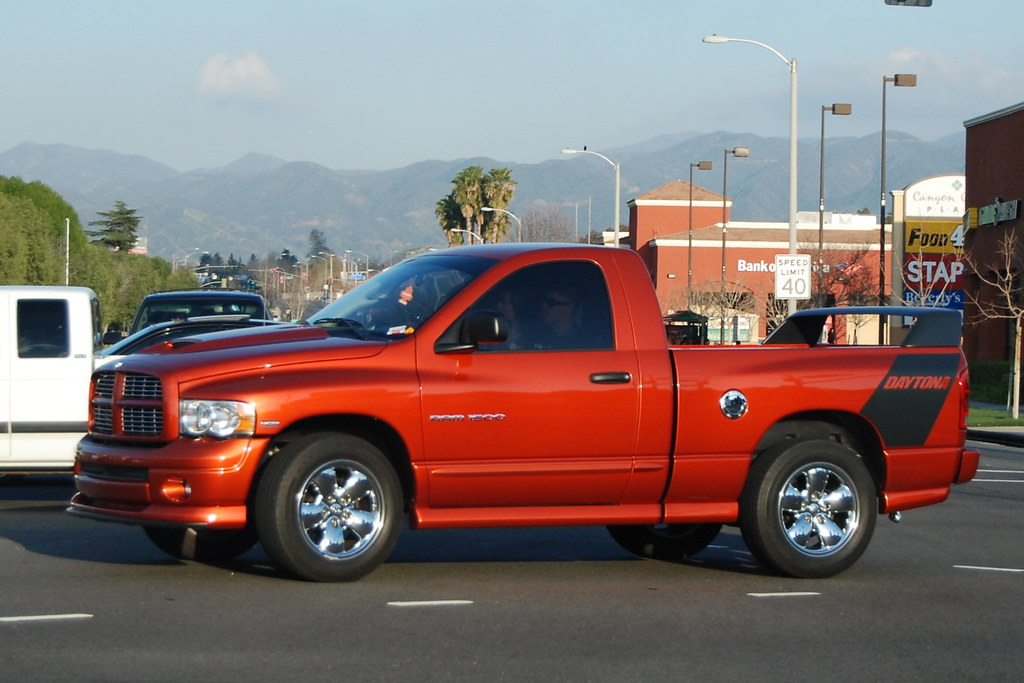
point(792, 276)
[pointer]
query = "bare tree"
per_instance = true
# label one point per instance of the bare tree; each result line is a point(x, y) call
point(709, 300)
point(1003, 282)
point(548, 224)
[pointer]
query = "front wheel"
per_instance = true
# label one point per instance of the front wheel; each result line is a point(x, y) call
point(808, 509)
point(328, 508)
point(671, 542)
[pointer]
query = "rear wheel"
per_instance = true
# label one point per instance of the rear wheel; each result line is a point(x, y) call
point(202, 545)
point(328, 508)
point(808, 509)
point(672, 542)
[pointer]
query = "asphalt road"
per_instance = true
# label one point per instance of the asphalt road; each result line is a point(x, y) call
point(936, 597)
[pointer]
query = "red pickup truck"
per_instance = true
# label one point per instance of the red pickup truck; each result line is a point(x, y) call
point(506, 385)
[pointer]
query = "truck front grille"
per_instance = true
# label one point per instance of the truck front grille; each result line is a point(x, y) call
point(126, 404)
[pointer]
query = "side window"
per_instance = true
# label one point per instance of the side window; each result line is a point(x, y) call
point(43, 328)
point(551, 307)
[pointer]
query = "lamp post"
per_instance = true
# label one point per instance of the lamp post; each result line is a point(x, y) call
point(519, 223)
point(329, 257)
point(184, 262)
point(703, 166)
point(366, 256)
point(837, 110)
point(792, 137)
point(900, 81)
point(736, 152)
point(470, 233)
point(618, 184)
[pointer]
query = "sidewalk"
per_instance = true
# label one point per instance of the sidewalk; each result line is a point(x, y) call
point(1005, 436)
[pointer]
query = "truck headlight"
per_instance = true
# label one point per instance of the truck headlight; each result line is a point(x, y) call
point(221, 419)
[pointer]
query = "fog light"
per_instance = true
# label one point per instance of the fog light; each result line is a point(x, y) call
point(176, 489)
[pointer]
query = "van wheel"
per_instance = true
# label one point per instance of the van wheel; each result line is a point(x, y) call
point(808, 509)
point(671, 542)
point(202, 545)
point(328, 508)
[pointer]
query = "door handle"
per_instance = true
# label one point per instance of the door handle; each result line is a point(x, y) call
point(611, 378)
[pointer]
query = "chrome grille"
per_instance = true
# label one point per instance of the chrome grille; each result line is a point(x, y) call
point(102, 419)
point(105, 384)
point(142, 386)
point(127, 404)
point(142, 421)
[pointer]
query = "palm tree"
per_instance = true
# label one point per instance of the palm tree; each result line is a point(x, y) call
point(462, 209)
point(498, 190)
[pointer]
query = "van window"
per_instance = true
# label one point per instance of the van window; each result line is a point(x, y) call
point(43, 328)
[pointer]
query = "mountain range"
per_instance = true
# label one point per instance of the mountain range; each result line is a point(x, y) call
point(261, 204)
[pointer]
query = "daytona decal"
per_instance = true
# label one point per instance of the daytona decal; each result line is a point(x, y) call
point(906, 403)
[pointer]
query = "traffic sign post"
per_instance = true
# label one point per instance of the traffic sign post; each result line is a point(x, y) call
point(793, 276)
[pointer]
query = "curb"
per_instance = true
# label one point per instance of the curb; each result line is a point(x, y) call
point(1014, 439)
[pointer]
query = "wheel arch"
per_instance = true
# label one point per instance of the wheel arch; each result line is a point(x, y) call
point(378, 432)
point(848, 429)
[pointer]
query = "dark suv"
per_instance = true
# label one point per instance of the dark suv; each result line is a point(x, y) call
point(178, 305)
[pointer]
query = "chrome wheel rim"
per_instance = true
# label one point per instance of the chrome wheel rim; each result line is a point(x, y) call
point(341, 509)
point(819, 509)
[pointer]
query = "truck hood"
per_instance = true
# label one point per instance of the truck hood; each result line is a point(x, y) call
point(246, 349)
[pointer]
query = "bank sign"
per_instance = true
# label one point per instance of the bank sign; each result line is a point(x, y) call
point(933, 243)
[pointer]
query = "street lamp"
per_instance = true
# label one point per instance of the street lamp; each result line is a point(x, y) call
point(792, 137)
point(736, 152)
point(837, 110)
point(703, 166)
point(470, 233)
point(900, 81)
point(618, 184)
point(519, 223)
point(329, 257)
point(184, 262)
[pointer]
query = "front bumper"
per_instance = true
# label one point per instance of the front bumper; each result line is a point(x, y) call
point(188, 482)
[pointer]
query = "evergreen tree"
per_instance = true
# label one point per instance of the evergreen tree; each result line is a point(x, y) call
point(118, 228)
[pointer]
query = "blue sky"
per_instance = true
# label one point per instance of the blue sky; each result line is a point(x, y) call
point(387, 83)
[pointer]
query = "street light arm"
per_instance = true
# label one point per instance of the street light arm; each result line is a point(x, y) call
point(722, 39)
point(618, 185)
point(587, 151)
point(519, 223)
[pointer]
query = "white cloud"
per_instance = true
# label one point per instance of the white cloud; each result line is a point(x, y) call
point(245, 76)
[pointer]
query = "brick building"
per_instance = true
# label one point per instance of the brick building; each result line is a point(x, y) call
point(995, 147)
point(744, 253)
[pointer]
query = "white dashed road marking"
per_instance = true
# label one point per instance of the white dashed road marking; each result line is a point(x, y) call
point(44, 617)
point(429, 603)
point(989, 569)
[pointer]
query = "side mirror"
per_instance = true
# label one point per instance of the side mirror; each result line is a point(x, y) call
point(112, 337)
point(473, 329)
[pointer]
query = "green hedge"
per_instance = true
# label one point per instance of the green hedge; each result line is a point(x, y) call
point(990, 380)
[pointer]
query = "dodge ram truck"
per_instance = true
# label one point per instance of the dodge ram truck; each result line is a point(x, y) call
point(518, 385)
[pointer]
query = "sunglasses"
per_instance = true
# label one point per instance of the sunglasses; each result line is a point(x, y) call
point(552, 302)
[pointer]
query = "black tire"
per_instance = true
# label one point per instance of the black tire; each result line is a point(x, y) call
point(202, 545)
point(808, 509)
point(671, 542)
point(328, 508)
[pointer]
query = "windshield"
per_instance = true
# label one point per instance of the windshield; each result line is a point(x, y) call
point(395, 303)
